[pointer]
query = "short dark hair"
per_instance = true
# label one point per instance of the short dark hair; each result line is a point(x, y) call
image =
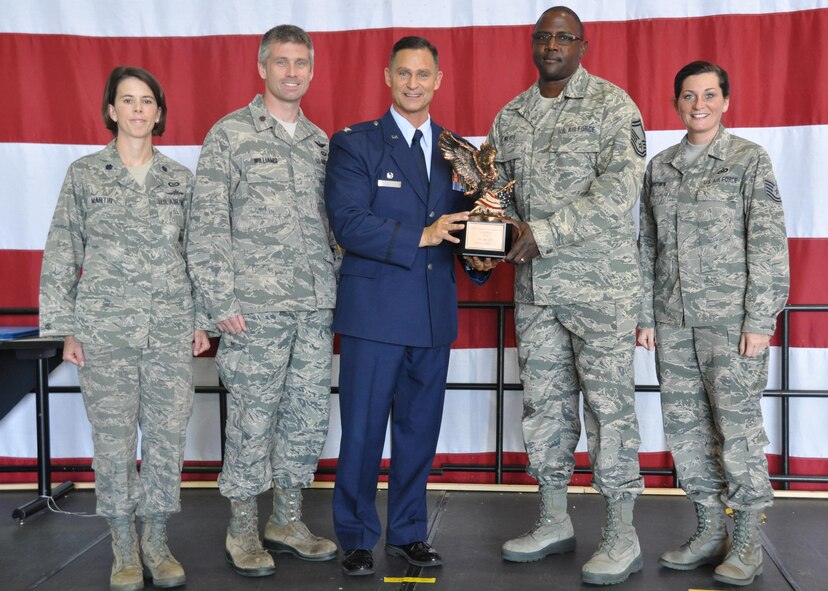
point(701, 67)
point(111, 90)
point(284, 34)
point(414, 42)
point(568, 11)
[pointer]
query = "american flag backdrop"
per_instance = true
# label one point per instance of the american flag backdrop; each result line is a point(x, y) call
point(55, 56)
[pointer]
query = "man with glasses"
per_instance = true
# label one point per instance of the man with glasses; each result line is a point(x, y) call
point(574, 145)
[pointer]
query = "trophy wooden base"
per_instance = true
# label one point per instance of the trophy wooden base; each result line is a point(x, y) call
point(485, 237)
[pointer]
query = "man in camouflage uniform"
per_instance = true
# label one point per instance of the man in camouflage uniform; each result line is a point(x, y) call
point(715, 264)
point(574, 144)
point(263, 258)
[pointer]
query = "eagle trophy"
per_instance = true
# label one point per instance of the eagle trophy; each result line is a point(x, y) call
point(476, 169)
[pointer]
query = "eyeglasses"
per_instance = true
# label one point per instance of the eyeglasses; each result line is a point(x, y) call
point(561, 39)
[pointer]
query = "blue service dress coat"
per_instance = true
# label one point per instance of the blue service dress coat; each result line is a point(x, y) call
point(397, 313)
point(390, 290)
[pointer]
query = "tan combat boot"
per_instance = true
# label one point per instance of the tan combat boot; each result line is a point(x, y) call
point(244, 549)
point(708, 545)
point(744, 561)
point(552, 534)
point(159, 565)
point(126, 569)
point(285, 532)
point(619, 554)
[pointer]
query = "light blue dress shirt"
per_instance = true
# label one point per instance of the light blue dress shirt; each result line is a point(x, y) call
point(408, 133)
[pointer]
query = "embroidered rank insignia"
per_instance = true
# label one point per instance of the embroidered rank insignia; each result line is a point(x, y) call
point(772, 191)
point(638, 138)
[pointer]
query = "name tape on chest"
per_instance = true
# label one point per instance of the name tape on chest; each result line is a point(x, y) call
point(102, 200)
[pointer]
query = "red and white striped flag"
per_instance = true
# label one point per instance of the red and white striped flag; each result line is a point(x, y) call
point(56, 56)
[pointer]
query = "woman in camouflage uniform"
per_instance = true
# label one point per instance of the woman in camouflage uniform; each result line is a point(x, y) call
point(128, 320)
point(715, 265)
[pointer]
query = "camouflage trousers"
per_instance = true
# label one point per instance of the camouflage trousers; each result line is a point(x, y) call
point(710, 400)
point(124, 389)
point(278, 375)
point(584, 347)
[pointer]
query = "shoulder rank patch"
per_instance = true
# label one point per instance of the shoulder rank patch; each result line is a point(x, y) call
point(772, 191)
point(638, 138)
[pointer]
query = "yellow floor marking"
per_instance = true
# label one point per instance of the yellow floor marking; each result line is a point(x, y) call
point(409, 580)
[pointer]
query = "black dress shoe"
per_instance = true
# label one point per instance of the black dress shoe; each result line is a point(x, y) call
point(416, 553)
point(358, 562)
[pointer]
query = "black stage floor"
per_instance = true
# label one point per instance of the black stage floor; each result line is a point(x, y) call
point(53, 551)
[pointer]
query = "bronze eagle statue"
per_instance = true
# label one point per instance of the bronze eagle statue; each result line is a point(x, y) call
point(478, 173)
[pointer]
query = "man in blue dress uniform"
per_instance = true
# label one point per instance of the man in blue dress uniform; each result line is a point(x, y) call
point(391, 205)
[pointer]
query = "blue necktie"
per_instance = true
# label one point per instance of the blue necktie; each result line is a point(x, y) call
point(419, 156)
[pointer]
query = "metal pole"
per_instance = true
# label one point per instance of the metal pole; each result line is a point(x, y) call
point(222, 418)
point(44, 472)
point(784, 376)
point(501, 346)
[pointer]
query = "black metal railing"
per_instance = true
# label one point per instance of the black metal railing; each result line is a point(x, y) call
point(786, 393)
point(500, 386)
